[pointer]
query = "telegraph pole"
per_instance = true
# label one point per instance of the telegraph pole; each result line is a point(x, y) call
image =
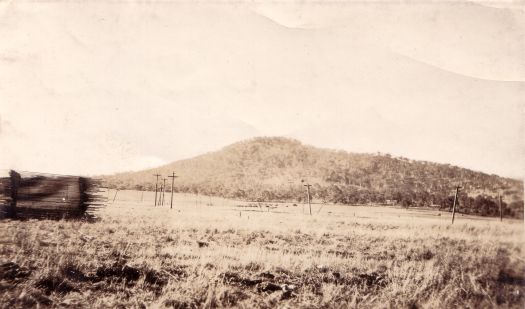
point(500, 208)
point(172, 179)
point(455, 202)
point(291, 191)
point(113, 197)
point(159, 202)
point(307, 185)
point(163, 190)
point(156, 184)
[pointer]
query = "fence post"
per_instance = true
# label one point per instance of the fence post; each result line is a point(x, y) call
point(455, 202)
point(15, 183)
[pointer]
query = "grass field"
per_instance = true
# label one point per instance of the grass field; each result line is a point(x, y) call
point(233, 254)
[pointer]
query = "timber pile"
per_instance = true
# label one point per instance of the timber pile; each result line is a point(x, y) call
point(38, 195)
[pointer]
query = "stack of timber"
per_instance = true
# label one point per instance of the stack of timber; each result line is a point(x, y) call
point(37, 195)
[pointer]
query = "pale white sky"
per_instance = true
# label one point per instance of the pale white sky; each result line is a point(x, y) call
point(99, 88)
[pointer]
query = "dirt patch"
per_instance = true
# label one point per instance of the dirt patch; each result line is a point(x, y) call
point(176, 271)
point(511, 277)
point(341, 253)
point(55, 284)
point(31, 298)
point(155, 278)
point(268, 287)
point(203, 244)
point(184, 303)
point(373, 279)
point(12, 272)
point(267, 275)
point(266, 283)
point(232, 278)
point(119, 272)
point(232, 297)
point(74, 273)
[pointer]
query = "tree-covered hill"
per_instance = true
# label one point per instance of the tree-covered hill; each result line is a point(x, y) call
point(273, 168)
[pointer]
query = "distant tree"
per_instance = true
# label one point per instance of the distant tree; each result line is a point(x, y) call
point(515, 209)
point(240, 194)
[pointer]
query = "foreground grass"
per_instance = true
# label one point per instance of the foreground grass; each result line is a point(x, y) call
point(222, 256)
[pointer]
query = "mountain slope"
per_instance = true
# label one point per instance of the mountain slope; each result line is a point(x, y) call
point(271, 168)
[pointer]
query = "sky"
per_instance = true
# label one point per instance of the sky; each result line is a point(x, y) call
point(104, 87)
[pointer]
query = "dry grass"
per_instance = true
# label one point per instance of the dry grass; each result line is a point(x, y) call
point(227, 256)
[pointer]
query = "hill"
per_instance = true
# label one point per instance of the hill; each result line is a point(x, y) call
point(273, 168)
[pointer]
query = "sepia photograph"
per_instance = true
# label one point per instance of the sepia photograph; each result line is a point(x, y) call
point(262, 154)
